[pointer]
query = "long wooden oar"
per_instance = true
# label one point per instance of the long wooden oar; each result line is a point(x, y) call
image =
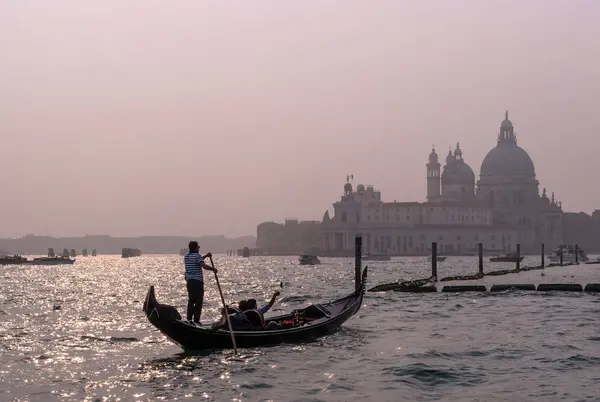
point(224, 307)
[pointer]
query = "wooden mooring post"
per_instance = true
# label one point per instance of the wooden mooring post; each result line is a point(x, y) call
point(576, 254)
point(481, 258)
point(518, 256)
point(543, 262)
point(357, 260)
point(561, 254)
point(434, 259)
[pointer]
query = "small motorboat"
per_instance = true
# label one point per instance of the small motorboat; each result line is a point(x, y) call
point(58, 260)
point(376, 257)
point(510, 257)
point(568, 253)
point(308, 260)
point(298, 326)
point(440, 258)
point(13, 260)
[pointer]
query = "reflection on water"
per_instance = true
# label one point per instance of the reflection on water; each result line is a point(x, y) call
point(507, 346)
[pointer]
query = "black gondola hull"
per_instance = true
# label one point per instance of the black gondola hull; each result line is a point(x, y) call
point(191, 337)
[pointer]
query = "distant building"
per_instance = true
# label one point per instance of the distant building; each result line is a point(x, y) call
point(504, 208)
point(582, 229)
point(291, 237)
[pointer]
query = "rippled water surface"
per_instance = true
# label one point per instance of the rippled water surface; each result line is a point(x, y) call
point(511, 346)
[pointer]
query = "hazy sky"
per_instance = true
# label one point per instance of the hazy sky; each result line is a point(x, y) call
point(209, 117)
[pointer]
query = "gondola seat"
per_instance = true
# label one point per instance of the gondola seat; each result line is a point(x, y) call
point(256, 318)
point(232, 310)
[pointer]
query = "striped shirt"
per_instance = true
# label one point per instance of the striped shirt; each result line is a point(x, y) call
point(193, 267)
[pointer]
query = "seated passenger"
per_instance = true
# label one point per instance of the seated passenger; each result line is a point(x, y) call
point(251, 304)
point(239, 321)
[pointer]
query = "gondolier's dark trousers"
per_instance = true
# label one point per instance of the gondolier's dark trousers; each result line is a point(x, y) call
point(195, 290)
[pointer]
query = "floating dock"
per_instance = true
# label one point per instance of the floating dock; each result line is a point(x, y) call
point(542, 287)
point(566, 278)
point(542, 278)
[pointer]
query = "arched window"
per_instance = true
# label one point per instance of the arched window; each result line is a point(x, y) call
point(343, 217)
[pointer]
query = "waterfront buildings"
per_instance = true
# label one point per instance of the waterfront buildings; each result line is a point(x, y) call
point(505, 207)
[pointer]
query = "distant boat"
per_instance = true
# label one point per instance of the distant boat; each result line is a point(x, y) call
point(510, 257)
point(131, 252)
point(568, 252)
point(52, 261)
point(246, 252)
point(308, 260)
point(12, 260)
point(376, 257)
point(440, 258)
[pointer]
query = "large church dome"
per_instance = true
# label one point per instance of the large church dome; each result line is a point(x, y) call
point(507, 158)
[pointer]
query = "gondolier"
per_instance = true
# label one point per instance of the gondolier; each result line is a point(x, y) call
point(194, 264)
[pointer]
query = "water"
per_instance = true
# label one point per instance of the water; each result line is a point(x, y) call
point(511, 346)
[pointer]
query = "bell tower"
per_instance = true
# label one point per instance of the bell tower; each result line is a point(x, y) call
point(433, 176)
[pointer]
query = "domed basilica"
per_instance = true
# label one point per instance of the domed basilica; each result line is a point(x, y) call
point(507, 186)
point(503, 208)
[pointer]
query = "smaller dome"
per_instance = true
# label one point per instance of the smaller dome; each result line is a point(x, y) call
point(458, 173)
point(347, 188)
point(360, 188)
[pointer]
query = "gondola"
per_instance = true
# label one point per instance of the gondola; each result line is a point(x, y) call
point(299, 325)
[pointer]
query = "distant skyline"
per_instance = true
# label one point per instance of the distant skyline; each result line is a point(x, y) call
point(207, 118)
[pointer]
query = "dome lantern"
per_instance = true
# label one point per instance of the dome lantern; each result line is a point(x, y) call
point(506, 134)
point(457, 152)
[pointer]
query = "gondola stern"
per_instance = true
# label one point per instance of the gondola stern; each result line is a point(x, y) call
point(363, 283)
